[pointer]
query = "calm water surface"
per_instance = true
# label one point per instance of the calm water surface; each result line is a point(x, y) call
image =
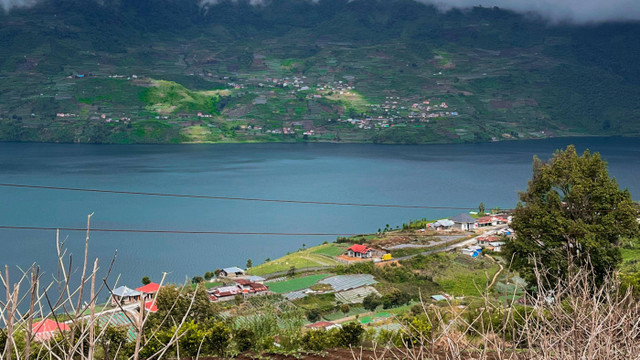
point(447, 175)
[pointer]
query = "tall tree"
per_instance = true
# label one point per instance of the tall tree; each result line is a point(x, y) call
point(572, 213)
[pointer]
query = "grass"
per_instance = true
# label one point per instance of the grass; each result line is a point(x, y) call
point(354, 310)
point(309, 258)
point(208, 285)
point(295, 284)
point(330, 249)
point(166, 97)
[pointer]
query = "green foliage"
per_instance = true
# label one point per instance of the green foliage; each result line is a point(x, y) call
point(318, 340)
point(313, 315)
point(208, 275)
point(174, 302)
point(114, 341)
point(146, 280)
point(395, 298)
point(249, 263)
point(371, 302)
point(291, 272)
point(197, 280)
point(349, 335)
point(218, 338)
point(169, 97)
point(345, 308)
point(244, 339)
point(572, 213)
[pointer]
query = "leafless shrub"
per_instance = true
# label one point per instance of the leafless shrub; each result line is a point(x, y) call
point(79, 330)
point(574, 319)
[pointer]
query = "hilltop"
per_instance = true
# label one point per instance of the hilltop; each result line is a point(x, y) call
point(353, 71)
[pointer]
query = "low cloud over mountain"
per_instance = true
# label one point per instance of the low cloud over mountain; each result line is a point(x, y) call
point(556, 11)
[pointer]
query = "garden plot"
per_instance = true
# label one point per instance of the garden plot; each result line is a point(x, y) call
point(355, 296)
point(348, 282)
point(295, 295)
point(119, 319)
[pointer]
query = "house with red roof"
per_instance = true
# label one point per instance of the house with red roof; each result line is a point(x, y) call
point(149, 290)
point(250, 288)
point(151, 306)
point(46, 329)
point(359, 251)
point(487, 221)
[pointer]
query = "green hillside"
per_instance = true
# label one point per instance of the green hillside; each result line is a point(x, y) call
point(291, 70)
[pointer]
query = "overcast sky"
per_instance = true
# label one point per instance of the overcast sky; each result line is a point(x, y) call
point(577, 11)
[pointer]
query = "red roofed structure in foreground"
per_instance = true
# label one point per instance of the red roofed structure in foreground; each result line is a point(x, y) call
point(149, 289)
point(46, 329)
point(359, 251)
point(151, 306)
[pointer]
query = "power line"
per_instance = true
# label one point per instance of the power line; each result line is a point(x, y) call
point(189, 232)
point(197, 232)
point(214, 197)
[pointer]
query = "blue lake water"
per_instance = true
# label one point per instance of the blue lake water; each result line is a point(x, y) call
point(440, 175)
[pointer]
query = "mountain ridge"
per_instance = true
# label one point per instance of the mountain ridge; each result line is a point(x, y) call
point(292, 70)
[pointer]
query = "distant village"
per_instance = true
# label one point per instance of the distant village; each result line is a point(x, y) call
point(393, 111)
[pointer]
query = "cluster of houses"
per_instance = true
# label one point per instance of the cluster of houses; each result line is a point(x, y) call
point(238, 284)
point(465, 222)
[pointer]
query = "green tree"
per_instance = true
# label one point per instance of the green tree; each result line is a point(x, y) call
point(291, 272)
point(395, 298)
point(313, 315)
point(317, 340)
point(371, 302)
point(481, 209)
point(209, 275)
point(572, 213)
point(249, 263)
point(218, 338)
point(114, 339)
point(197, 280)
point(244, 339)
point(174, 302)
point(350, 334)
point(345, 308)
point(146, 280)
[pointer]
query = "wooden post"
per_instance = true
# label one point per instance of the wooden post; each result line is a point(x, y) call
point(9, 317)
point(29, 334)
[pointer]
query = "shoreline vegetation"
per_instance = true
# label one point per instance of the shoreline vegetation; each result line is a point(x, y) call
point(284, 141)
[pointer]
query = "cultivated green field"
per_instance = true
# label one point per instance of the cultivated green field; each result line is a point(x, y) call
point(295, 284)
point(310, 258)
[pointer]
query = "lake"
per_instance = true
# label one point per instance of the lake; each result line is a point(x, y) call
point(433, 175)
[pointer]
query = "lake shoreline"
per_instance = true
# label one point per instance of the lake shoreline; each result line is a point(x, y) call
point(580, 136)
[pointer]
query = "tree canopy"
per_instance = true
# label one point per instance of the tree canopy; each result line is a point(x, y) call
point(572, 213)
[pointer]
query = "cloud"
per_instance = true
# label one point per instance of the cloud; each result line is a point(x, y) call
point(555, 11)
point(573, 11)
point(9, 4)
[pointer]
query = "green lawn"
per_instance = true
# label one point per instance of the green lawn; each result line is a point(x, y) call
point(330, 249)
point(300, 259)
point(463, 284)
point(300, 283)
point(208, 285)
